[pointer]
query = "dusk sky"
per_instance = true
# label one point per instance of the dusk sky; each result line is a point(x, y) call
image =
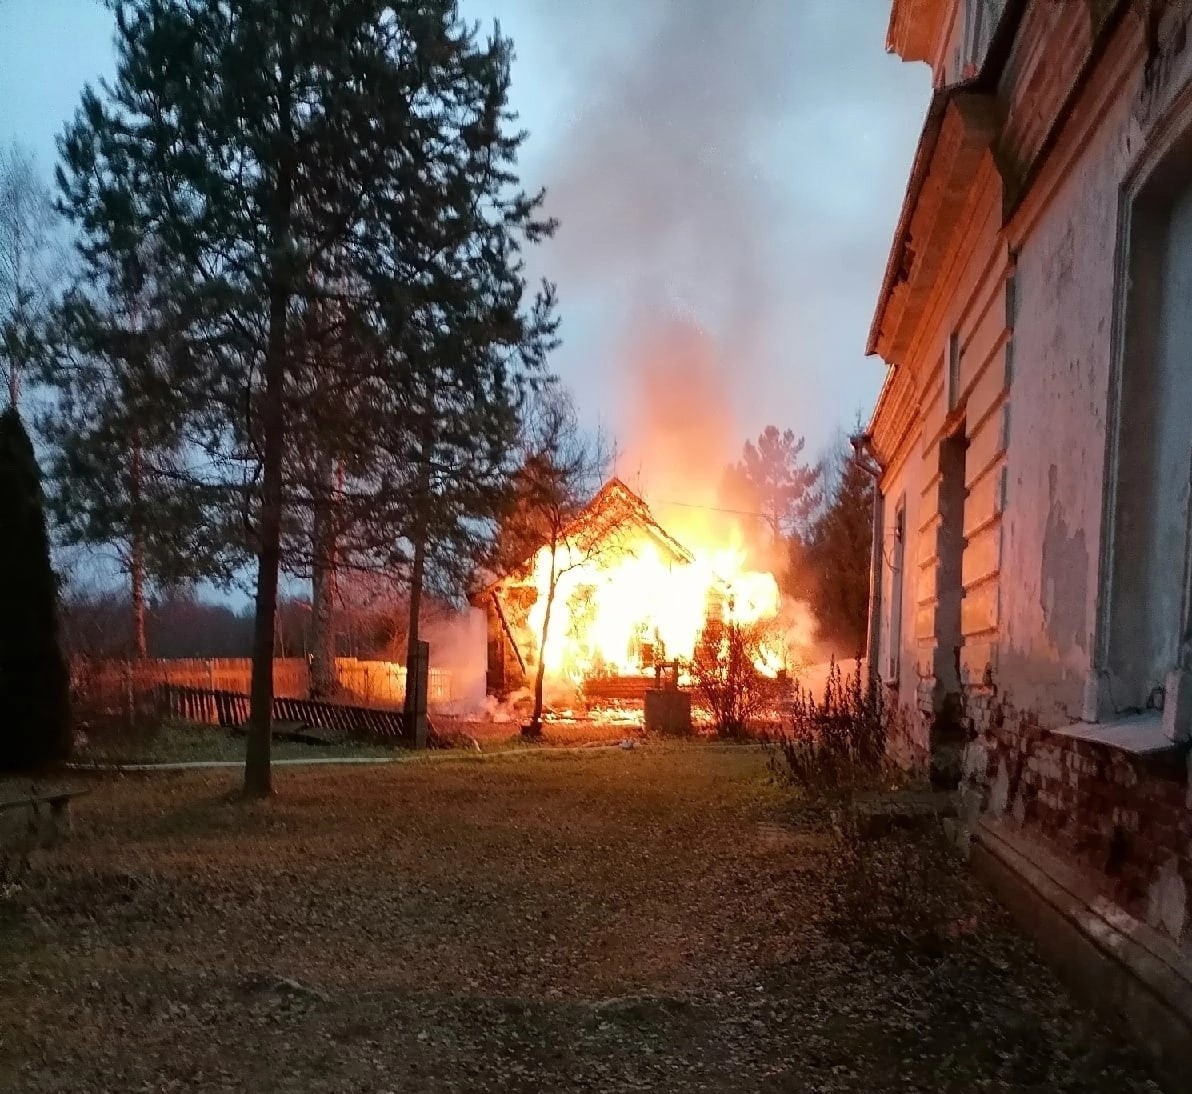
point(727, 176)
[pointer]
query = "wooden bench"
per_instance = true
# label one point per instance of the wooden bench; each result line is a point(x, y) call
point(58, 801)
point(41, 820)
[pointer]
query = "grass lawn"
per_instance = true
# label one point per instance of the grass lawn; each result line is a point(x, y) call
point(182, 742)
point(656, 919)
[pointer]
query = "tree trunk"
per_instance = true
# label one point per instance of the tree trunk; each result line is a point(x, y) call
point(324, 680)
point(534, 729)
point(136, 568)
point(140, 645)
point(14, 366)
point(257, 774)
point(417, 574)
point(422, 501)
point(257, 781)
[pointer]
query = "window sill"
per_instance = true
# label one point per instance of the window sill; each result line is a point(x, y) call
point(1137, 734)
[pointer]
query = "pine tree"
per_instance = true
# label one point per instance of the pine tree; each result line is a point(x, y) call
point(772, 478)
point(34, 683)
point(463, 344)
point(118, 457)
point(837, 559)
point(350, 158)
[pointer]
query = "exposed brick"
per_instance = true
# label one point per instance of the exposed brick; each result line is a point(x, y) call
point(1096, 805)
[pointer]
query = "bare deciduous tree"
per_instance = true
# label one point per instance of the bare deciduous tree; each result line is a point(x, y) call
point(561, 466)
point(32, 261)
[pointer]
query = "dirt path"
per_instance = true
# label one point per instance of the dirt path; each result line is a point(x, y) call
point(656, 919)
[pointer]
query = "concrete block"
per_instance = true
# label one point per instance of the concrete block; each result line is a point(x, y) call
point(1177, 706)
point(668, 711)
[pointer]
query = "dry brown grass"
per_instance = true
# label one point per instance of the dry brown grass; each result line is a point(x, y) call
point(604, 920)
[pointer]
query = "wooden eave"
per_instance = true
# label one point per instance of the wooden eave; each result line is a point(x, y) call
point(960, 130)
point(904, 15)
point(894, 417)
point(914, 28)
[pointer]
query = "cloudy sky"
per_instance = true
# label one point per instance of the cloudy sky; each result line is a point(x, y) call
point(727, 174)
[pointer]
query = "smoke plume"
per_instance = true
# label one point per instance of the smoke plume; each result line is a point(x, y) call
point(720, 226)
point(662, 206)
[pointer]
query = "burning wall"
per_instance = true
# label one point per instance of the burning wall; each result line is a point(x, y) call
point(626, 599)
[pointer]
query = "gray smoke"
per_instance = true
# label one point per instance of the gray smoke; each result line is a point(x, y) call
point(729, 169)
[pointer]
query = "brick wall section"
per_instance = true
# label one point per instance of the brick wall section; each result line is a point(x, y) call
point(1126, 819)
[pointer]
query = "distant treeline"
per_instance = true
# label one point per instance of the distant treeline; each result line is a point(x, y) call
point(100, 625)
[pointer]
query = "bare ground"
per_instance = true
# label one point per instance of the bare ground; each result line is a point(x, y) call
point(656, 919)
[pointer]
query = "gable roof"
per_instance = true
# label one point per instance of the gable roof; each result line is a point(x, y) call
point(616, 505)
point(613, 509)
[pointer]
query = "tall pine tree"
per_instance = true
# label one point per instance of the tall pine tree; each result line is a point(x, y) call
point(119, 466)
point(836, 558)
point(773, 480)
point(346, 156)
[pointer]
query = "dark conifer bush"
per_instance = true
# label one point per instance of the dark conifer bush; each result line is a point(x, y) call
point(34, 684)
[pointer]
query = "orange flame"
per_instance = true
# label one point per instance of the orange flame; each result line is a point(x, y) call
point(621, 610)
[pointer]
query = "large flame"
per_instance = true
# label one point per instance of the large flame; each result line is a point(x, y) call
point(623, 608)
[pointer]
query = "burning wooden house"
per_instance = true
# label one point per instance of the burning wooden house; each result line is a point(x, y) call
point(629, 596)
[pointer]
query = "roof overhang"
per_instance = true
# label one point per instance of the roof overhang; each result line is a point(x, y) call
point(914, 29)
point(961, 125)
point(912, 22)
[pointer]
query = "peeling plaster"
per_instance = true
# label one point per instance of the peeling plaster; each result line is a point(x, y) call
point(1063, 577)
point(1167, 901)
point(1058, 267)
point(976, 761)
point(999, 793)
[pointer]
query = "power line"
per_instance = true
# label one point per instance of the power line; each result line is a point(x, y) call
point(710, 508)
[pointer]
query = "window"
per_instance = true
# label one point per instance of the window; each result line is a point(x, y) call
point(894, 638)
point(1147, 632)
point(953, 370)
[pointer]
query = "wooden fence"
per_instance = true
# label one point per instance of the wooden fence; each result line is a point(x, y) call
point(124, 686)
point(230, 709)
point(383, 683)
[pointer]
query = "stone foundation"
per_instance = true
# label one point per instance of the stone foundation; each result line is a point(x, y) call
point(1124, 818)
point(1090, 845)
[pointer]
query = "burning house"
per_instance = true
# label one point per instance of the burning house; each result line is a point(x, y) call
point(628, 598)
